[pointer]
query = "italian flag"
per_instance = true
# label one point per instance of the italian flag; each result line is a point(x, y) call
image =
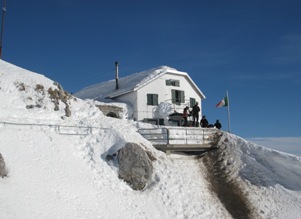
point(222, 103)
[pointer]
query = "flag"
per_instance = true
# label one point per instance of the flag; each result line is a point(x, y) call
point(223, 102)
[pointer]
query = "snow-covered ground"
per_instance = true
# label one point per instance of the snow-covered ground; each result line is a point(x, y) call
point(57, 168)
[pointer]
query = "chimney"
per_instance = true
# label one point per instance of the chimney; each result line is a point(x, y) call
point(117, 85)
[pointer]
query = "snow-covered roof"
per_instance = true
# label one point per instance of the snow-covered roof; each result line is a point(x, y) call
point(133, 82)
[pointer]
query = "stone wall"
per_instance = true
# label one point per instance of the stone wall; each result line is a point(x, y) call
point(111, 111)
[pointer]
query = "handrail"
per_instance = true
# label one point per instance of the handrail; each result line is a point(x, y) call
point(180, 135)
point(58, 127)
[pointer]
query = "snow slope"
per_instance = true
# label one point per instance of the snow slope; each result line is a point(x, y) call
point(57, 168)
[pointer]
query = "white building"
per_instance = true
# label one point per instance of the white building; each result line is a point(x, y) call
point(150, 93)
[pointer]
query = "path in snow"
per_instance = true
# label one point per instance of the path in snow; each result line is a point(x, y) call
point(186, 190)
point(226, 190)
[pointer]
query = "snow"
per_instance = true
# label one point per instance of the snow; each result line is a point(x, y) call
point(126, 84)
point(57, 168)
point(105, 91)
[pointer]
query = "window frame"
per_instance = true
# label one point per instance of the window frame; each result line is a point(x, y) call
point(152, 99)
point(192, 102)
point(177, 96)
point(172, 82)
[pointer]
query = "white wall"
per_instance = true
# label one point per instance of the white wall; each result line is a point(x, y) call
point(159, 87)
point(131, 99)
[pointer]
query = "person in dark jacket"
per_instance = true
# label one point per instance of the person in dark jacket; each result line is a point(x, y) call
point(185, 115)
point(195, 114)
point(204, 122)
point(217, 124)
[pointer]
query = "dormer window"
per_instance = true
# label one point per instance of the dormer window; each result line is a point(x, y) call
point(171, 82)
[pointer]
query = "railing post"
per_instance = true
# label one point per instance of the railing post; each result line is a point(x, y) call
point(186, 134)
point(167, 136)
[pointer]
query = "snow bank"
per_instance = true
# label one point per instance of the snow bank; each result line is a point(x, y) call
point(269, 180)
point(57, 167)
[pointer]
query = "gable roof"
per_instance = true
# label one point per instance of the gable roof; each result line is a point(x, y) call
point(130, 83)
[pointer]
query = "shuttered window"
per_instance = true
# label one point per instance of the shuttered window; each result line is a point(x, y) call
point(152, 99)
point(178, 96)
point(171, 82)
point(168, 82)
point(192, 102)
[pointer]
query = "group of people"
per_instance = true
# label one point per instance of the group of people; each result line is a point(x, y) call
point(195, 115)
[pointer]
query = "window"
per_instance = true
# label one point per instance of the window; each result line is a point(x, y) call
point(192, 102)
point(152, 99)
point(177, 96)
point(171, 82)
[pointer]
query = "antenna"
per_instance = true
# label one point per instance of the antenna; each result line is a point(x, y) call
point(2, 27)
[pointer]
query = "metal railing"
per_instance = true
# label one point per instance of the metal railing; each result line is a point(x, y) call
point(184, 136)
point(61, 129)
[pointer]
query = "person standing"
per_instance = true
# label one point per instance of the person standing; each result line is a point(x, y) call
point(185, 115)
point(204, 122)
point(195, 114)
point(217, 124)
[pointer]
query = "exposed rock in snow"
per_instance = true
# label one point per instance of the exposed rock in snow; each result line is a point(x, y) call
point(3, 171)
point(135, 166)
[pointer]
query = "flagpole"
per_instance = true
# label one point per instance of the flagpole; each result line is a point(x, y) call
point(229, 125)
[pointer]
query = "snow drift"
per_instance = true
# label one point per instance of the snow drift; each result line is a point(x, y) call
point(56, 166)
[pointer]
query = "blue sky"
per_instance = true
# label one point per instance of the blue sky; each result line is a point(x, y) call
point(250, 48)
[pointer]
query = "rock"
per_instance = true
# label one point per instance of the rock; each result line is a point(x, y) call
point(135, 166)
point(110, 157)
point(58, 95)
point(3, 171)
